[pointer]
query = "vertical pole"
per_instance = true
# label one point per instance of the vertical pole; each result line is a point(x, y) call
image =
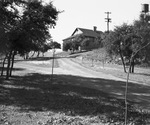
point(126, 92)
point(53, 65)
point(108, 20)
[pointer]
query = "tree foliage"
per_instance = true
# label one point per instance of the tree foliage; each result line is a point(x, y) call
point(85, 43)
point(128, 40)
point(142, 29)
point(55, 45)
point(27, 30)
point(66, 46)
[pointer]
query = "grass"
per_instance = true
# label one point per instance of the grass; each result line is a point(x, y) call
point(30, 98)
point(42, 62)
point(141, 75)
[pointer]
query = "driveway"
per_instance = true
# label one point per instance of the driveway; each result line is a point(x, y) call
point(68, 67)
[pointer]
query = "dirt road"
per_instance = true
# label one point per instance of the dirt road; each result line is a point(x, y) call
point(104, 82)
point(68, 67)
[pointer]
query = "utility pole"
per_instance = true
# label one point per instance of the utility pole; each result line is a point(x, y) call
point(108, 20)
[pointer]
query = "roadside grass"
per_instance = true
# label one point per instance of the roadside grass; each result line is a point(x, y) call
point(141, 75)
point(31, 99)
point(93, 60)
point(44, 62)
point(40, 62)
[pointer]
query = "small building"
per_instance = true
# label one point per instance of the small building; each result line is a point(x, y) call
point(92, 35)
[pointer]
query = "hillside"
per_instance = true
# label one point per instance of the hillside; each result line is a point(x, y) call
point(99, 61)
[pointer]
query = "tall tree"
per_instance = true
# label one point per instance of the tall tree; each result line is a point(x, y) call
point(113, 44)
point(123, 41)
point(8, 17)
point(29, 29)
point(142, 29)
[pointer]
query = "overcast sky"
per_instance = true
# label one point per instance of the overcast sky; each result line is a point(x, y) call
point(89, 13)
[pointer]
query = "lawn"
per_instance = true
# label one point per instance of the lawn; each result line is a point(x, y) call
point(30, 98)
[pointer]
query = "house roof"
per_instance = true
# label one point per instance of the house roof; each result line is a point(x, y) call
point(86, 32)
point(89, 32)
point(70, 37)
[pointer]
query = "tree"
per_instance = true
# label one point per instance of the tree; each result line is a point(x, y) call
point(54, 44)
point(113, 45)
point(72, 44)
point(142, 29)
point(7, 21)
point(66, 46)
point(85, 43)
point(138, 46)
point(131, 42)
point(29, 30)
point(122, 41)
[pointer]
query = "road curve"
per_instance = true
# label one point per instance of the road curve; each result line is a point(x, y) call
point(68, 67)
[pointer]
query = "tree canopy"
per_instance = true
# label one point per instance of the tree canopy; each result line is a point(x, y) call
point(128, 41)
point(26, 29)
point(84, 42)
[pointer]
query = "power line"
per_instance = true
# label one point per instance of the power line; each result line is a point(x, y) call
point(108, 20)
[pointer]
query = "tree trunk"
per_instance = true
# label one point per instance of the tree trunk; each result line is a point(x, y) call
point(32, 54)
point(131, 68)
point(132, 65)
point(8, 65)
point(43, 54)
point(38, 53)
point(3, 65)
point(27, 55)
point(122, 62)
point(24, 57)
point(12, 64)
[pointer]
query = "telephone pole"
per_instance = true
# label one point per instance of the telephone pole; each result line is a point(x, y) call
point(108, 20)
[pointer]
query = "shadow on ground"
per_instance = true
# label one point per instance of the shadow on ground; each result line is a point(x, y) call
point(76, 95)
point(43, 58)
point(145, 74)
point(14, 69)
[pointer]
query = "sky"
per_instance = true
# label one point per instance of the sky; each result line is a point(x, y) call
point(89, 13)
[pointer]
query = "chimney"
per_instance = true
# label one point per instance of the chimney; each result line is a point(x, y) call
point(94, 28)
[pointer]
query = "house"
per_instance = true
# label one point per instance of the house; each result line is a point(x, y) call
point(91, 34)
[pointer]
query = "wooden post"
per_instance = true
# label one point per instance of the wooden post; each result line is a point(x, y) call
point(53, 65)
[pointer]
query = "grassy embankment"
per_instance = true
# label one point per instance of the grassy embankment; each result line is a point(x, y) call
point(94, 61)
